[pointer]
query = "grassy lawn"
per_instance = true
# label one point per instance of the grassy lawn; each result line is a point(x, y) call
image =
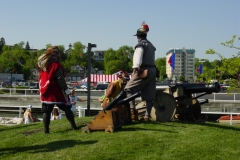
point(138, 140)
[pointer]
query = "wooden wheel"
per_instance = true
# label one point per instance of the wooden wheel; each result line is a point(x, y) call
point(164, 107)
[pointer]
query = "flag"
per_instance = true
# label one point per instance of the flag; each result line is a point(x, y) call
point(198, 70)
point(171, 61)
point(201, 69)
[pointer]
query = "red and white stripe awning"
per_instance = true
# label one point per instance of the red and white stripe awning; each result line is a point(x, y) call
point(102, 78)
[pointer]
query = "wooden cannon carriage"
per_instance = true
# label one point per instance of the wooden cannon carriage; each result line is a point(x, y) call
point(175, 101)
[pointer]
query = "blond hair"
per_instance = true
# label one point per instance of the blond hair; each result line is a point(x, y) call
point(28, 110)
point(45, 59)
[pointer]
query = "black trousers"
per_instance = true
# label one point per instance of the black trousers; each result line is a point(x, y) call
point(47, 110)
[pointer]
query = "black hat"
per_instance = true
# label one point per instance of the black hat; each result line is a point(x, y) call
point(143, 30)
point(139, 32)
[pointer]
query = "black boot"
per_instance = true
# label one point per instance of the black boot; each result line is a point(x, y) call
point(70, 118)
point(46, 122)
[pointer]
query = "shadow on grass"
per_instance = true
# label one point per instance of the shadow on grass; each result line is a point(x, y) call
point(144, 129)
point(18, 126)
point(49, 147)
point(129, 128)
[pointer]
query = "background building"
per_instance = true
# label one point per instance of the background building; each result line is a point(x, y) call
point(180, 64)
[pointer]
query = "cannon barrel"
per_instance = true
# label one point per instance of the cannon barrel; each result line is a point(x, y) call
point(200, 88)
point(128, 99)
point(120, 96)
point(203, 101)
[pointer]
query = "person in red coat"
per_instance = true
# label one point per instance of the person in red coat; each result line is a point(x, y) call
point(53, 87)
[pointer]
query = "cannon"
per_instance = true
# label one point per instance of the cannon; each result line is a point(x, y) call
point(171, 101)
point(178, 101)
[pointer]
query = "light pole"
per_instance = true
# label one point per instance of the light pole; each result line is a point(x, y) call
point(90, 46)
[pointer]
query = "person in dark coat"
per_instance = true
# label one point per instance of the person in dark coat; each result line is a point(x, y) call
point(144, 72)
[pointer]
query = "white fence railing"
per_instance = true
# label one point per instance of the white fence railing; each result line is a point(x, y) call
point(26, 92)
point(223, 113)
point(20, 110)
point(81, 111)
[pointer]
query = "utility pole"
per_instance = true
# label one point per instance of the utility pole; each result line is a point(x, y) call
point(89, 52)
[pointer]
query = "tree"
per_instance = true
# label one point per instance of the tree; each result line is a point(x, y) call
point(120, 59)
point(108, 57)
point(76, 57)
point(161, 66)
point(181, 79)
point(19, 45)
point(27, 47)
point(124, 54)
point(230, 66)
point(2, 43)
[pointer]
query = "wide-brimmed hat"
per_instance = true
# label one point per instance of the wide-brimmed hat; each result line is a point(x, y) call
point(143, 30)
point(126, 76)
point(29, 107)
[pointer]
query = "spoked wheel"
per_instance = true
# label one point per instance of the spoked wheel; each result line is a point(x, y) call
point(164, 107)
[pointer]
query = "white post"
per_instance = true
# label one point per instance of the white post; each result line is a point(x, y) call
point(230, 119)
point(81, 112)
point(20, 112)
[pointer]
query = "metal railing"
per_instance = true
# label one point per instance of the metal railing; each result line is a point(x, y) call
point(223, 113)
point(26, 92)
point(217, 95)
point(20, 109)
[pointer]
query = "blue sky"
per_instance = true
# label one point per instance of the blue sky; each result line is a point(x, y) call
point(197, 24)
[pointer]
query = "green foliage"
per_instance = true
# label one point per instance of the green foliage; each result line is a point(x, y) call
point(228, 68)
point(119, 59)
point(2, 43)
point(27, 47)
point(98, 64)
point(161, 66)
point(181, 78)
point(76, 56)
point(24, 60)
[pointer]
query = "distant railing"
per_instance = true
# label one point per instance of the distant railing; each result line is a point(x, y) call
point(223, 113)
point(20, 109)
point(81, 111)
point(27, 92)
point(17, 91)
point(215, 98)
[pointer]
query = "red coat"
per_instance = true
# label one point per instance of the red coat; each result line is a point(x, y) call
point(50, 91)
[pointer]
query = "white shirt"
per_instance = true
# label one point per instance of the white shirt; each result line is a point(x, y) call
point(27, 119)
point(137, 57)
point(73, 99)
point(58, 117)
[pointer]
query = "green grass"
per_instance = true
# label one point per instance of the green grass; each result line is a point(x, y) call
point(138, 140)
